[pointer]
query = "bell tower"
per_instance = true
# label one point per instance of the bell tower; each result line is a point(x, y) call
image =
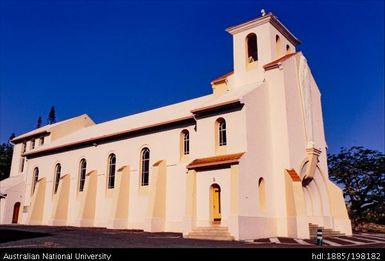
point(256, 43)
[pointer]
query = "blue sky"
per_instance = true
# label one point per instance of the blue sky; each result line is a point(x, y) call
point(110, 59)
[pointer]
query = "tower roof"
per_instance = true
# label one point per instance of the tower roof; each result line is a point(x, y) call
point(268, 18)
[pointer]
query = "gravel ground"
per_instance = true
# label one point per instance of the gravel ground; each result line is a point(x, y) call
point(23, 236)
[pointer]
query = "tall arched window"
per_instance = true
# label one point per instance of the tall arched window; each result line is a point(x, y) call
point(261, 193)
point(278, 45)
point(111, 171)
point(82, 174)
point(145, 166)
point(35, 178)
point(222, 137)
point(185, 142)
point(252, 48)
point(57, 177)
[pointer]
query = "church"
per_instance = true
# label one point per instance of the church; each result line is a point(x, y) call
point(247, 161)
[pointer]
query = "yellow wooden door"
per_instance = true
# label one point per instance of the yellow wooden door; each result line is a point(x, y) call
point(216, 204)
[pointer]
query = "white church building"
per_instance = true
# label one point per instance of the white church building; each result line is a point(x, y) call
point(247, 161)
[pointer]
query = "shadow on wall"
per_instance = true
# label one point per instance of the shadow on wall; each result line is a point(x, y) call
point(14, 235)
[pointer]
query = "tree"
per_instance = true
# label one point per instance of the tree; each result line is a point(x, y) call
point(52, 115)
point(361, 174)
point(6, 151)
point(13, 135)
point(39, 122)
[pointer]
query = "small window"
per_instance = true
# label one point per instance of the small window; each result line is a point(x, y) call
point(41, 141)
point(185, 139)
point(145, 166)
point(252, 48)
point(35, 178)
point(57, 177)
point(288, 48)
point(32, 144)
point(111, 171)
point(22, 160)
point(261, 193)
point(222, 132)
point(278, 45)
point(82, 174)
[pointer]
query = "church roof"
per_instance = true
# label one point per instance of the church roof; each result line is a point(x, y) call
point(149, 119)
point(7, 183)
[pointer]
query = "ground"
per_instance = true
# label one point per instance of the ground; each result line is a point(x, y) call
point(23, 236)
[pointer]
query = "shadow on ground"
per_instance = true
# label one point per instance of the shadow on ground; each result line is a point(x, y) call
point(8, 235)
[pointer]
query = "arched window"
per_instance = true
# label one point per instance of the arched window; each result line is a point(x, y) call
point(82, 174)
point(185, 142)
point(145, 166)
point(222, 137)
point(288, 48)
point(111, 171)
point(261, 192)
point(278, 45)
point(57, 177)
point(252, 48)
point(35, 178)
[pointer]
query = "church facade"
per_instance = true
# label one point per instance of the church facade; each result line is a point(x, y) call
point(249, 158)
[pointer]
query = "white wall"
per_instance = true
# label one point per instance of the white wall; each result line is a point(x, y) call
point(163, 145)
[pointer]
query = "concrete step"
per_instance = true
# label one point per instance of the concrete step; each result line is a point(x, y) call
point(210, 233)
point(211, 229)
point(221, 238)
point(326, 232)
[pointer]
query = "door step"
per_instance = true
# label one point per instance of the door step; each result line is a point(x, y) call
point(210, 233)
point(326, 232)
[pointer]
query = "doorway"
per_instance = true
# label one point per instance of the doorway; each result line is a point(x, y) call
point(215, 195)
point(15, 216)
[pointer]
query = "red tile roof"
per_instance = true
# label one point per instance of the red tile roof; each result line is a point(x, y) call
point(276, 63)
point(293, 175)
point(215, 161)
point(221, 78)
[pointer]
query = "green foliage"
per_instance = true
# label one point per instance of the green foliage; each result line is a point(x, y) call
point(52, 115)
point(12, 136)
point(6, 151)
point(361, 174)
